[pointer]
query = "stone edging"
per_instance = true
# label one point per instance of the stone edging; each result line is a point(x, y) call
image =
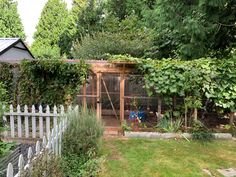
point(157, 135)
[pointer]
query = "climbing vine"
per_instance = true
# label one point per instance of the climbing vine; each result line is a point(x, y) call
point(7, 79)
point(50, 82)
point(207, 78)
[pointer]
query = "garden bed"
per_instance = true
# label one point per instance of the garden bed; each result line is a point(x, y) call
point(158, 135)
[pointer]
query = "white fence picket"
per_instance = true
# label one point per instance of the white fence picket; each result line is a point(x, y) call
point(19, 128)
point(47, 120)
point(12, 124)
point(20, 165)
point(55, 117)
point(26, 122)
point(51, 144)
point(10, 170)
point(40, 122)
point(33, 123)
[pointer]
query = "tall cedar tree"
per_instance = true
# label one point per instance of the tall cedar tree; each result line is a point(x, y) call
point(10, 22)
point(193, 29)
point(68, 36)
point(85, 18)
point(52, 24)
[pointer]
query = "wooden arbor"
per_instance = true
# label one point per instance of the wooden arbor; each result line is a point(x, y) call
point(97, 69)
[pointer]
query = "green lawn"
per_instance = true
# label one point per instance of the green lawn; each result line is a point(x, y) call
point(144, 158)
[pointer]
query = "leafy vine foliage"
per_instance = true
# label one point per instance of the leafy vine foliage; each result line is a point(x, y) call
point(50, 82)
point(7, 79)
point(193, 80)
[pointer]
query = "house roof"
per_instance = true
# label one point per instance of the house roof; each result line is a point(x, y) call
point(7, 43)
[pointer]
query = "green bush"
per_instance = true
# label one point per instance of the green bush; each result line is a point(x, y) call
point(45, 166)
point(81, 143)
point(3, 98)
point(7, 79)
point(52, 82)
point(96, 46)
point(200, 132)
point(83, 165)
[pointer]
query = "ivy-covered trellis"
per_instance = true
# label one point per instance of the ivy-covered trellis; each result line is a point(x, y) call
point(50, 82)
point(208, 79)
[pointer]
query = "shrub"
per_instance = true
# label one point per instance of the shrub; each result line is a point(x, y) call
point(98, 45)
point(50, 81)
point(3, 98)
point(81, 142)
point(45, 166)
point(84, 130)
point(200, 132)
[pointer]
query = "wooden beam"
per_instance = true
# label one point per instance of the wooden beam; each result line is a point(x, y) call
point(122, 94)
point(99, 104)
point(106, 69)
point(93, 91)
point(84, 97)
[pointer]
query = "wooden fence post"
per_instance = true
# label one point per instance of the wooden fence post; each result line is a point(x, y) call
point(12, 122)
point(37, 148)
point(40, 122)
point(54, 117)
point(26, 121)
point(20, 165)
point(19, 128)
point(29, 155)
point(10, 170)
point(33, 122)
point(47, 119)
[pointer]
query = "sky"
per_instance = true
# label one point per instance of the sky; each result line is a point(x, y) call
point(30, 11)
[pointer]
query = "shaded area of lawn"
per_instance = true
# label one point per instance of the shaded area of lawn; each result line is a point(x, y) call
point(144, 158)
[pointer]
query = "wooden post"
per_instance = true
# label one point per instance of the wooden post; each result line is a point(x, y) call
point(99, 106)
point(186, 118)
point(122, 95)
point(231, 118)
point(84, 97)
point(93, 92)
point(195, 114)
point(159, 107)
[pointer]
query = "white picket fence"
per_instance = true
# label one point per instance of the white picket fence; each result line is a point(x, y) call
point(31, 123)
point(50, 145)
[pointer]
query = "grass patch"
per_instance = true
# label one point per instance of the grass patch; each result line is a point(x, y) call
point(140, 157)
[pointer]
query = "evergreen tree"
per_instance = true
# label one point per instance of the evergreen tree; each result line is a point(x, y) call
point(50, 29)
point(193, 29)
point(84, 19)
point(10, 22)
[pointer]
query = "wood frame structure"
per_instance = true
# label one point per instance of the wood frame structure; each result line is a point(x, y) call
point(97, 69)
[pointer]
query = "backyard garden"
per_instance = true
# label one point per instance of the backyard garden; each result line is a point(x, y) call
point(168, 69)
point(185, 92)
